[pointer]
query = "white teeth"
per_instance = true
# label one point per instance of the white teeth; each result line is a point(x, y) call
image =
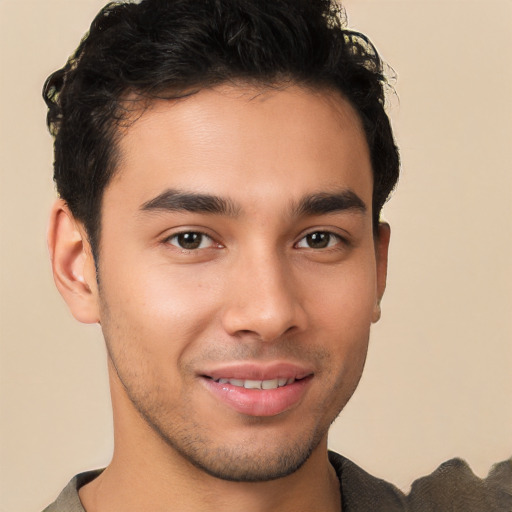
point(258, 384)
point(269, 384)
point(252, 384)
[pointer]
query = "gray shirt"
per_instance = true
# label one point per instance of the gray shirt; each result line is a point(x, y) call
point(451, 487)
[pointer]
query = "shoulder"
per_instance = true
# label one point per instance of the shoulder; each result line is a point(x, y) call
point(453, 486)
point(362, 492)
point(68, 500)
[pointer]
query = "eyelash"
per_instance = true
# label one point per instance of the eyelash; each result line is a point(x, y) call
point(338, 239)
point(202, 236)
point(199, 234)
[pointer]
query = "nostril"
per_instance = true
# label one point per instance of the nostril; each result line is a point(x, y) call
point(266, 312)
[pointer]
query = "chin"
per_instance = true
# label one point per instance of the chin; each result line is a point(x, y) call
point(238, 464)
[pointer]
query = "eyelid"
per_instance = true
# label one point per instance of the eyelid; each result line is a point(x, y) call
point(181, 231)
point(343, 240)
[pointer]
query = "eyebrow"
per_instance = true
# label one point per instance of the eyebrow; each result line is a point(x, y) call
point(323, 203)
point(175, 200)
point(314, 204)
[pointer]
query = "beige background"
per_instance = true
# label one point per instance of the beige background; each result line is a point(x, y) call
point(438, 379)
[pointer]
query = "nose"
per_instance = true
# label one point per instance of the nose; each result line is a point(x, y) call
point(264, 299)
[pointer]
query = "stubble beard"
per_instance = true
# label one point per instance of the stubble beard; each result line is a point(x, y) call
point(240, 461)
point(235, 462)
point(230, 461)
point(190, 440)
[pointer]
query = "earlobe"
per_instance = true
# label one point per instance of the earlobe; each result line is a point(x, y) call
point(72, 262)
point(381, 256)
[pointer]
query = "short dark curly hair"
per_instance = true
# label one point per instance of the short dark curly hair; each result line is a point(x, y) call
point(172, 48)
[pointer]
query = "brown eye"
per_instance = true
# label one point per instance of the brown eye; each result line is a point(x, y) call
point(191, 240)
point(318, 240)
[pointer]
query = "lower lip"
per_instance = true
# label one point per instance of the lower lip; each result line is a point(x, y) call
point(259, 402)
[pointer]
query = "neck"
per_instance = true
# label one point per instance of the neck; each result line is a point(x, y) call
point(124, 487)
point(147, 474)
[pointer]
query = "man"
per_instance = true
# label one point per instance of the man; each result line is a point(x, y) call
point(221, 167)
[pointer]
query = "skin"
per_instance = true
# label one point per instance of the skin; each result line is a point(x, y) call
point(256, 290)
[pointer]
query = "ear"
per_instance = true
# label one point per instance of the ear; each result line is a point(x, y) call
point(72, 262)
point(381, 256)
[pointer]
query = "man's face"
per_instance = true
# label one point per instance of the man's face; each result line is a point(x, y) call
point(237, 252)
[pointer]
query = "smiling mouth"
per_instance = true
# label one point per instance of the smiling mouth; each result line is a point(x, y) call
point(263, 396)
point(258, 384)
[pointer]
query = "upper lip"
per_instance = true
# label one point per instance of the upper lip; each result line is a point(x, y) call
point(258, 371)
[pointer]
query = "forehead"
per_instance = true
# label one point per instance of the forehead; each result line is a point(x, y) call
point(246, 143)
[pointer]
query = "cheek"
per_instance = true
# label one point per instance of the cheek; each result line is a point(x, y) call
point(341, 311)
point(344, 301)
point(164, 309)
